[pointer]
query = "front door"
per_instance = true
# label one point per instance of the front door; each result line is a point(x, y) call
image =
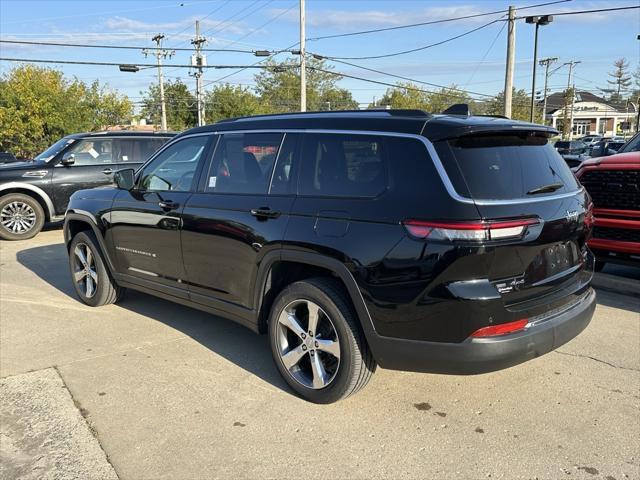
point(93, 166)
point(238, 216)
point(145, 222)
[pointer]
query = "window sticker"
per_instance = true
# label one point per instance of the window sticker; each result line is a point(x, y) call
point(212, 182)
point(125, 158)
point(93, 153)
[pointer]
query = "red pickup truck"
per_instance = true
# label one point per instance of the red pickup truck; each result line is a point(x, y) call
point(614, 185)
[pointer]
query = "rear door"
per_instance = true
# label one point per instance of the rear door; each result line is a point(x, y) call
point(519, 176)
point(238, 216)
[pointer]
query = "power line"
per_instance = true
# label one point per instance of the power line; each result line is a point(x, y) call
point(203, 18)
point(119, 47)
point(580, 12)
point(475, 70)
point(268, 22)
point(432, 22)
point(413, 80)
point(418, 49)
point(112, 64)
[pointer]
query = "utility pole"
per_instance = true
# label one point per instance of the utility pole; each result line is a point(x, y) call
point(160, 53)
point(546, 62)
point(511, 57)
point(573, 97)
point(303, 69)
point(198, 60)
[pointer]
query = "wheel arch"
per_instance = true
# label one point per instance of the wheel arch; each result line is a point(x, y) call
point(75, 223)
point(34, 192)
point(311, 264)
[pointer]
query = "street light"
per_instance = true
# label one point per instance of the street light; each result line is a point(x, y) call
point(537, 20)
point(129, 68)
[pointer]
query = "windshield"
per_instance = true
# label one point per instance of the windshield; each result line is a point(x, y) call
point(632, 145)
point(505, 166)
point(54, 149)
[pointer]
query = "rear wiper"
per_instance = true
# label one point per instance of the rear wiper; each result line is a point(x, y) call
point(552, 187)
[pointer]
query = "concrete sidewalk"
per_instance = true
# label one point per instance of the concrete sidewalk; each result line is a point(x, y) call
point(42, 433)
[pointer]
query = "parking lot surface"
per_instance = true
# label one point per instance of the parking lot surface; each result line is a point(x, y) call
point(171, 392)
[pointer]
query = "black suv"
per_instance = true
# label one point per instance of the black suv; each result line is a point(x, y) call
point(431, 243)
point(35, 191)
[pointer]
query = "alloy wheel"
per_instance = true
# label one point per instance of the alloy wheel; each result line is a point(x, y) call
point(18, 217)
point(308, 344)
point(84, 272)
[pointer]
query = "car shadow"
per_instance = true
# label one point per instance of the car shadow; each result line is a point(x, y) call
point(224, 337)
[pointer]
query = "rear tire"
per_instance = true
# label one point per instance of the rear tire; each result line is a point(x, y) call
point(89, 274)
point(324, 357)
point(21, 217)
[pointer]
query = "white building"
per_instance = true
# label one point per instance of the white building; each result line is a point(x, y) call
point(593, 115)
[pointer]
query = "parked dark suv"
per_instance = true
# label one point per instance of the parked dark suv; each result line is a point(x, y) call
point(431, 243)
point(35, 191)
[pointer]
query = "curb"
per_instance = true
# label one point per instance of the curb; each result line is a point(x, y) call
point(614, 283)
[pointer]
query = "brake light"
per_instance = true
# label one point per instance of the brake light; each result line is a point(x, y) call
point(502, 329)
point(470, 231)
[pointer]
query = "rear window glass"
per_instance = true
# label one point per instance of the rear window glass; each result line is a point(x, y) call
point(499, 167)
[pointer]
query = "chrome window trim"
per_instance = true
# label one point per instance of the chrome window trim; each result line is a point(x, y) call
point(437, 162)
point(275, 163)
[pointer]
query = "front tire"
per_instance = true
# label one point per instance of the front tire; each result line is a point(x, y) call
point(21, 217)
point(317, 343)
point(89, 274)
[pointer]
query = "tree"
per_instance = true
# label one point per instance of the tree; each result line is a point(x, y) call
point(404, 95)
point(621, 80)
point(38, 106)
point(279, 87)
point(409, 95)
point(180, 104)
point(229, 101)
point(520, 105)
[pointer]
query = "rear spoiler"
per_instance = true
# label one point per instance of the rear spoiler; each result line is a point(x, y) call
point(444, 130)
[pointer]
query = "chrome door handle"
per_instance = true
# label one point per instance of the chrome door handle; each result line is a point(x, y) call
point(107, 171)
point(168, 205)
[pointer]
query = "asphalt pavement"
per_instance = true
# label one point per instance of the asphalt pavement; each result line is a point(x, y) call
point(157, 390)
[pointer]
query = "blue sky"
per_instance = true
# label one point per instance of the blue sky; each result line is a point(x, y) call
point(474, 62)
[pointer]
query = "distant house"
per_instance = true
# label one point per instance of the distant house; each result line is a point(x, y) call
point(593, 114)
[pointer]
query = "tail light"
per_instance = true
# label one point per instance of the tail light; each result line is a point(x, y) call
point(470, 231)
point(502, 329)
point(588, 216)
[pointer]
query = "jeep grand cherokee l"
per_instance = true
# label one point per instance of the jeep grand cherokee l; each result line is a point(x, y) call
point(614, 185)
point(432, 243)
point(35, 191)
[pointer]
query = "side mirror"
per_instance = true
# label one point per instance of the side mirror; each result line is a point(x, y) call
point(125, 179)
point(68, 159)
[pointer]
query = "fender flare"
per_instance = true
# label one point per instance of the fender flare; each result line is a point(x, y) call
point(92, 223)
point(318, 260)
point(32, 188)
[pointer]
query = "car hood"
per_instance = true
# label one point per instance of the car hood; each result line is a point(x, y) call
point(21, 165)
point(632, 158)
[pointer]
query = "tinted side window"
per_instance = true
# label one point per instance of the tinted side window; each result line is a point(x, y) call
point(92, 151)
point(343, 165)
point(174, 168)
point(243, 163)
point(281, 179)
point(136, 150)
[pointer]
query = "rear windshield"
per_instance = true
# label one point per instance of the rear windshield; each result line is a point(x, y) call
point(505, 166)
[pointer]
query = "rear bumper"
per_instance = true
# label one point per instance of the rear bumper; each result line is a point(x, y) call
point(477, 355)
